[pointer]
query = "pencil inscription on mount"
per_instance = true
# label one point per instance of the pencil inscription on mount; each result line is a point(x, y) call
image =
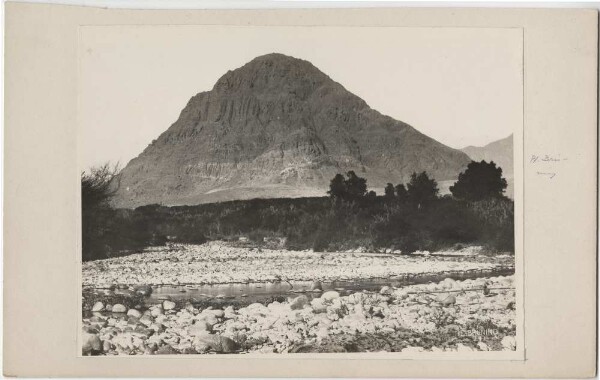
point(277, 127)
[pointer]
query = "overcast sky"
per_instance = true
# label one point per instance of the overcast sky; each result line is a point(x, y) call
point(460, 86)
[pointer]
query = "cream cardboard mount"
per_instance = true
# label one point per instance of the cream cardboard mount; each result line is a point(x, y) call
point(554, 145)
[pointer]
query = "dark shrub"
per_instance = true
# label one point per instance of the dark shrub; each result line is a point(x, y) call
point(481, 180)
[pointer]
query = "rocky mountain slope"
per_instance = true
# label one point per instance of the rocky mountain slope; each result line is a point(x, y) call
point(277, 127)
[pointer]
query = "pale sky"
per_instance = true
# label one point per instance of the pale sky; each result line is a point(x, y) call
point(460, 86)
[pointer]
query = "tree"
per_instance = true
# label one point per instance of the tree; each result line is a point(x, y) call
point(401, 193)
point(97, 187)
point(389, 191)
point(421, 189)
point(481, 180)
point(337, 187)
point(353, 187)
point(356, 186)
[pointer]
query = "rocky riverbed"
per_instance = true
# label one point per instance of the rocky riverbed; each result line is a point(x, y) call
point(469, 315)
point(123, 316)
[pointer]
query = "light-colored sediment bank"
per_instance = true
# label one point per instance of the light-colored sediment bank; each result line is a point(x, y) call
point(217, 263)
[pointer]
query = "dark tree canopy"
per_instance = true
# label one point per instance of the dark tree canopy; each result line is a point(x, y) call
point(355, 185)
point(337, 187)
point(389, 191)
point(352, 187)
point(421, 189)
point(481, 180)
point(401, 193)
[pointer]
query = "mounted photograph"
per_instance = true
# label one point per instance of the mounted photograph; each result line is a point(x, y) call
point(280, 190)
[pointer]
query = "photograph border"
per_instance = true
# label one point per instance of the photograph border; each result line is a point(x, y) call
point(518, 157)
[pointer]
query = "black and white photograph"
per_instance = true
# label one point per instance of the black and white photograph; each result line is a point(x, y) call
point(254, 190)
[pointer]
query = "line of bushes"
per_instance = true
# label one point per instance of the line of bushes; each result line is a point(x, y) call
point(403, 219)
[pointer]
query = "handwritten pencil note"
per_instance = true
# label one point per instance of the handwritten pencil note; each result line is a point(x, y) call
point(547, 165)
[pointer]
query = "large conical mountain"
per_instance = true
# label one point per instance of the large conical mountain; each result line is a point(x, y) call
point(277, 127)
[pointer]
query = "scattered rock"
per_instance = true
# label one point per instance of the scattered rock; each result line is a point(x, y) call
point(166, 350)
point(156, 311)
point(386, 290)
point(98, 306)
point(118, 308)
point(330, 296)
point(91, 344)
point(447, 299)
point(219, 343)
point(134, 313)
point(509, 343)
point(299, 302)
point(145, 290)
point(318, 305)
point(199, 328)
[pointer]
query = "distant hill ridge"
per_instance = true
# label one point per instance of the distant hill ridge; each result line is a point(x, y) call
point(277, 127)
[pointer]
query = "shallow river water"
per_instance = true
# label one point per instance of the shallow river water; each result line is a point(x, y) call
point(257, 292)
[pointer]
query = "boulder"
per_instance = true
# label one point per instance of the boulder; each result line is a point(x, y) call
point(200, 346)
point(156, 311)
point(218, 343)
point(168, 305)
point(356, 298)
point(157, 327)
point(229, 312)
point(447, 300)
point(318, 306)
point(119, 308)
point(90, 344)
point(299, 302)
point(166, 350)
point(386, 290)
point(146, 320)
point(134, 313)
point(509, 343)
point(208, 318)
point(199, 328)
point(217, 313)
point(106, 346)
point(330, 296)
point(145, 290)
point(98, 306)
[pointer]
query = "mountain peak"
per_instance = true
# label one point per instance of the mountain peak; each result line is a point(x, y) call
point(277, 127)
point(272, 70)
